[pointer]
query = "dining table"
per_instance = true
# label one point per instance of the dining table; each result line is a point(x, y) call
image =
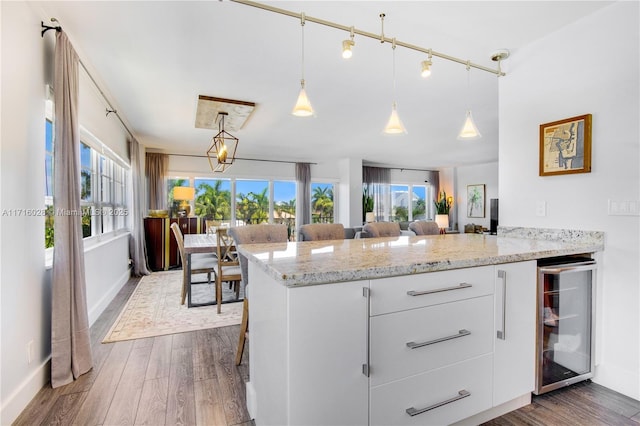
point(198, 243)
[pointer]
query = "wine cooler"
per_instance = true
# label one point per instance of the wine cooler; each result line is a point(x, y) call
point(565, 346)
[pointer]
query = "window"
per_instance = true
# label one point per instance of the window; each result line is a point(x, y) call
point(213, 199)
point(48, 180)
point(403, 202)
point(322, 205)
point(252, 202)
point(284, 204)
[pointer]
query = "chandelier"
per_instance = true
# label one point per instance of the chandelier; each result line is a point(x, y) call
point(222, 152)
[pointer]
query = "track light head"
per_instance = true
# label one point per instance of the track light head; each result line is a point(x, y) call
point(346, 48)
point(426, 68)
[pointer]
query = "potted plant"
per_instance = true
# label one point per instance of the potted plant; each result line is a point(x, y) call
point(443, 206)
point(367, 203)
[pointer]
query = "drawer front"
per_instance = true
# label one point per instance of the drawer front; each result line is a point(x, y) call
point(410, 342)
point(441, 392)
point(431, 288)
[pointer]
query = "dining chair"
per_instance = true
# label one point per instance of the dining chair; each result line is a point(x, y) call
point(228, 264)
point(381, 229)
point(211, 225)
point(201, 263)
point(424, 227)
point(322, 231)
point(253, 234)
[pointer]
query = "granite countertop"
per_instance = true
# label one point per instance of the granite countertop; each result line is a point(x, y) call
point(319, 262)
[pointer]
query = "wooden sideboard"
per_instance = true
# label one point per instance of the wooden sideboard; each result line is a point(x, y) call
point(162, 249)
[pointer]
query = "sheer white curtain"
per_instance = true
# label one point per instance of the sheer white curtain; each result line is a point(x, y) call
point(378, 181)
point(70, 339)
point(137, 246)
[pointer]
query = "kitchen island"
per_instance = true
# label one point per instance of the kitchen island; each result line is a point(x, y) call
point(407, 330)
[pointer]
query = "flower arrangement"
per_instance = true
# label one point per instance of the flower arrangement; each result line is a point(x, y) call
point(443, 204)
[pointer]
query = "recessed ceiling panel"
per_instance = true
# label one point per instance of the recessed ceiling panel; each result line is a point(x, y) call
point(209, 108)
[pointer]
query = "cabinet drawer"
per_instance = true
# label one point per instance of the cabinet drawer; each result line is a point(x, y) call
point(410, 342)
point(431, 288)
point(389, 402)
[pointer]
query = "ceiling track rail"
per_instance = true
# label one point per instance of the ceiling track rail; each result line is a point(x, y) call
point(381, 37)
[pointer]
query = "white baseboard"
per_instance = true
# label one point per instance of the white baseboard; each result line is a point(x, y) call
point(21, 397)
point(618, 379)
point(96, 310)
point(498, 411)
point(251, 399)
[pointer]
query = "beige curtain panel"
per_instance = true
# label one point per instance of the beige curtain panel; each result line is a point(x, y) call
point(156, 170)
point(70, 340)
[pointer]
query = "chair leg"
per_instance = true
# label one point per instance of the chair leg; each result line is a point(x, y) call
point(237, 285)
point(219, 293)
point(244, 326)
point(184, 286)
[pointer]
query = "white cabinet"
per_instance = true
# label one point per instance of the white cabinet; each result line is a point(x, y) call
point(515, 338)
point(428, 341)
point(307, 346)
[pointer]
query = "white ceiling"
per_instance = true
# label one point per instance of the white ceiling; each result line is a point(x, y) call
point(153, 59)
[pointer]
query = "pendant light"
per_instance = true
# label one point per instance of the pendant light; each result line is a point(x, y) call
point(222, 152)
point(303, 106)
point(394, 125)
point(469, 130)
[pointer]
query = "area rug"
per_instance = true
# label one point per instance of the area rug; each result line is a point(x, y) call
point(154, 309)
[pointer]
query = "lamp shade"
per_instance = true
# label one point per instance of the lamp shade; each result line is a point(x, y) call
point(442, 220)
point(184, 193)
point(469, 130)
point(303, 106)
point(370, 217)
point(394, 125)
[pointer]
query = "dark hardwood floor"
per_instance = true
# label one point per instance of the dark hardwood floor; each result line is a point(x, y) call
point(191, 379)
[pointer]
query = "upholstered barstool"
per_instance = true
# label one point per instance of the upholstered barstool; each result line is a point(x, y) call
point(322, 231)
point(252, 234)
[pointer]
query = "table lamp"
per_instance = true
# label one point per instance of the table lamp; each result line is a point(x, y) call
point(443, 222)
point(184, 194)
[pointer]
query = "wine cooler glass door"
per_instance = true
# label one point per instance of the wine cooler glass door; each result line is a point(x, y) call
point(565, 329)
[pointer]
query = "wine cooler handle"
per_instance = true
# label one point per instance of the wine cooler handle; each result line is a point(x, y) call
point(501, 305)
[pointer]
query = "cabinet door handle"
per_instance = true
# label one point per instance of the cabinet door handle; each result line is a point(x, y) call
point(501, 306)
point(438, 290)
point(461, 333)
point(367, 295)
point(414, 411)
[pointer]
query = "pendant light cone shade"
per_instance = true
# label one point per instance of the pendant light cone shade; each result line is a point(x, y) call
point(394, 125)
point(469, 130)
point(303, 107)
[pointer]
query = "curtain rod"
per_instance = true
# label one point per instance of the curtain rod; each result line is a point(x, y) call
point(240, 158)
point(381, 37)
point(110, 109)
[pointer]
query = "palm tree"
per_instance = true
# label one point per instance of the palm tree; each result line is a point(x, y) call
point(322, 202)
point(213, 202)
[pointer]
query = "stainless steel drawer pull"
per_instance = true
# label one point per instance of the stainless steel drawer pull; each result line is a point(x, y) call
point(414, 412)
point(438, 290)
point(461, 333)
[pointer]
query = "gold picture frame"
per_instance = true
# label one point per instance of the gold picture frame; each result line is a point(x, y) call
point(565, 146)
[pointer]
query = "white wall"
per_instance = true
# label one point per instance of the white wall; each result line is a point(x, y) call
point(486, 174)
point(588, 67)
point(25, 311)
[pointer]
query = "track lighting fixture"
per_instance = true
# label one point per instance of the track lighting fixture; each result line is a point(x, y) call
point(303, 106)
point(347, 45)
point(394, 125)
point(469, 129)
point(426, 66)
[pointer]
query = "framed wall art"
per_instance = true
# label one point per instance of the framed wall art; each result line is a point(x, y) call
point(475, 200)
point(565, 146)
